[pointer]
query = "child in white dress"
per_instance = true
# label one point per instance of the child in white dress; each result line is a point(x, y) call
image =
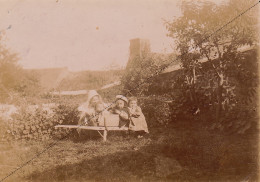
point(136, 116)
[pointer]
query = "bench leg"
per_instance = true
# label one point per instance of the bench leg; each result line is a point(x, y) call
point(79, 134)
point(105, 135)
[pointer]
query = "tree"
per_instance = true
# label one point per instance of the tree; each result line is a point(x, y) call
point(195, 35)
point(13, 79)
point(8, 68)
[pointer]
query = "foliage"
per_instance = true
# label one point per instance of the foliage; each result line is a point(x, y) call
point(215, 86)
point(156, 111)
point(38, 123)
point(9, 70)
point(13, 79)
point(140, 73)
point(208, 156)
point(29, 85)
point(109, 94)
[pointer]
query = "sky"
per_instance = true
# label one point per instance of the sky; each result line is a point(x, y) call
point(83, 34)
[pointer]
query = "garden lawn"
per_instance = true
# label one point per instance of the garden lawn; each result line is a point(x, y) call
point(204, 156)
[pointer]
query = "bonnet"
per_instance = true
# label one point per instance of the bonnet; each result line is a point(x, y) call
point(91, 93)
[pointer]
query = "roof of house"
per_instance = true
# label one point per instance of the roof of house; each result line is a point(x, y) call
point(173, 66)
point(51, 77)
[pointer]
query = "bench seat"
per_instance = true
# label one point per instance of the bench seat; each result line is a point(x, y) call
point(97, 128)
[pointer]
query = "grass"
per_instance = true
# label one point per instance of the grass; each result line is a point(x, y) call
point(203, 154)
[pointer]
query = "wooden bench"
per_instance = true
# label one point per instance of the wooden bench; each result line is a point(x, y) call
point(96, 128)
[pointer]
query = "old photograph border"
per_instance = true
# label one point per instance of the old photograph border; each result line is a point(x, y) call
point(225, 25)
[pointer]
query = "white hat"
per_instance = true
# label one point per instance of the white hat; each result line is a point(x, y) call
point(85, 106)
point(92, 93)
point(121, 97)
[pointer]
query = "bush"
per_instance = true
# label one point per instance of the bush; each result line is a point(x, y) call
point(156, 111)
point(39, 124)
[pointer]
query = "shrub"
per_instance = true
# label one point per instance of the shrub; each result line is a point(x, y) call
point(156, 111)
point(39, 124)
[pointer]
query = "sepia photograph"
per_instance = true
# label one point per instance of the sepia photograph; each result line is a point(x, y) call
point(129, 90)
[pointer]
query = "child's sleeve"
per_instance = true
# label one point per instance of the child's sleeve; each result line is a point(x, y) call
point(112, 110)
point(124, 114)
point(81, 118)
point(138, 112)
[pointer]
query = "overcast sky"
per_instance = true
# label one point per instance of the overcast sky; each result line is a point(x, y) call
point(83, 35)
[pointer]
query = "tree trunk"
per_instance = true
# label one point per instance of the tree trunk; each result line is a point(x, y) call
point(219, 97)
point(193, 87)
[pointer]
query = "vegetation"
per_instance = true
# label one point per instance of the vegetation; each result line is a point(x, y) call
point(202, 115)
point(218, 78)
point(204, 156)
point(14, 81)
point(228, 81)
point(139, 77)
point(37, 123)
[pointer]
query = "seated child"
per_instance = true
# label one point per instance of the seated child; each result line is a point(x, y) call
point(98, 117)
point(137, 119)
point(120, 108)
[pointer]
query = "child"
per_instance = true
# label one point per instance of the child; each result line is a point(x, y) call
point(120, 108)
point(137, 119)
point(88, 108)
point(98, 117)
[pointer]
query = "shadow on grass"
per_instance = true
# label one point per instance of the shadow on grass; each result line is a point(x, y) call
point(204, 156)
point(121, 166)
point(140, 165)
